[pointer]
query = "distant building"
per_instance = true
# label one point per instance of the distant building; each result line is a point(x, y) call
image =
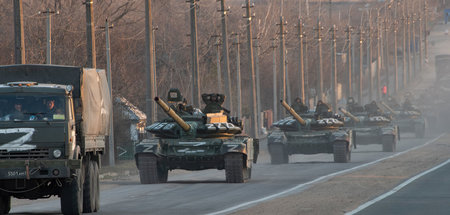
point(129, 124)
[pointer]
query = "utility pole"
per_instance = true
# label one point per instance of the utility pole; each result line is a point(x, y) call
point(333, 69)
point(254, 117)
point(361, 61)
point(349, 62)
point(408, 45)
point(19, 41)
point(369, 55)
point(319, 86)
point(194, 50)
point(275, 80)
point(288, 82)
point(378, 78)
point(238, 74)
point(282, 62)
point(420, 39)
point(48, 13)
point(425, 29)
point(149, 76)
point(386, 49)
point(219, 73)
point(404, 51)
point(413, 38)
point(301, 74)
point(155, 85)
point(305, 45)
point(226, 64)
point(90, 32)
point(108, 73)
point(258, 83)
point(395, 22)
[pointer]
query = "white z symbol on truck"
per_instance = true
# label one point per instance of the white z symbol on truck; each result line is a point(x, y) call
point(18, 144)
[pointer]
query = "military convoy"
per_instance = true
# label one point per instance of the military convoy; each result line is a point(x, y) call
point(311, 133)
point(372, 129)
point(53, 125)
point(408, 120)
point(194, 140)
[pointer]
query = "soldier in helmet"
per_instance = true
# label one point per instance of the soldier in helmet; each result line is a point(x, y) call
point(323, 110)
point(353, 106)
point(407, 105)
point(298, 106)
point(391, 102)
point(372, 109)
point(178, 103)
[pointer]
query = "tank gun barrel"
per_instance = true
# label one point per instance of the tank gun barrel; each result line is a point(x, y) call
point(387, 107)
point(186, 127)
point(293, 113)
point(345, 112)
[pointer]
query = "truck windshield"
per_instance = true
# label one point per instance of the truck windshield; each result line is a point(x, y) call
point(32, 107)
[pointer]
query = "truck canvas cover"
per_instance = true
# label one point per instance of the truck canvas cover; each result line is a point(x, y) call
point(90, 85)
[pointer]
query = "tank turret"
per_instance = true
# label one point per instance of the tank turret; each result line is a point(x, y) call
point(345, 112)
point(293, 113)
point(169, 111)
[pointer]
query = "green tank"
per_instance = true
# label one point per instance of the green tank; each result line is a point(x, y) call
point(309, 134)
point(372, 129)
point(408, 121)
point(192, 140)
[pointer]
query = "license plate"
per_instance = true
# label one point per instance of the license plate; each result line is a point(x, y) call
point(15, 173)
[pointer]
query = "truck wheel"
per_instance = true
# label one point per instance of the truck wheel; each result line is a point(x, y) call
point(389, 143)
point(148, 169)
point(97, 187)
point(341, 152)
point(278, 154)
point(235, 172)
point(89, 188)
point(72, 195)
point(5, 204)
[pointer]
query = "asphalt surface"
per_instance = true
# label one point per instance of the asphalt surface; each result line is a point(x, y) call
point(428, 194)
point(204, 192)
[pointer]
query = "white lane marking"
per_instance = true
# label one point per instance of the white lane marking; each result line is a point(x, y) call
point(322, 178)
point(399, 187)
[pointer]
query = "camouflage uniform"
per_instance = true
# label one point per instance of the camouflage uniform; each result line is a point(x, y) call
point(299, 107)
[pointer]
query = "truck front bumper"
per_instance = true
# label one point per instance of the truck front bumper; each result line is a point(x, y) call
point(34, 169)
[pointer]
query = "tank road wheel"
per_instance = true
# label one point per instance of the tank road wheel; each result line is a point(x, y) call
point(235, 172)
point(389, 143)
point(278, 154)
point(148, 170)
point(420, 131)
point(97, 186)
point(89, 188)
point(72, 194)
point(341, 152)
point(5, 204)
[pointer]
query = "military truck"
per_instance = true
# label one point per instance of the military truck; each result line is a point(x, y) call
point(372, 129)
point(193, 140)
point(309, 134)
point(53, 125)
point(408, 121)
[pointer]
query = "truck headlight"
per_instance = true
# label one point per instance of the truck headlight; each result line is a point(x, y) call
point(57, 153)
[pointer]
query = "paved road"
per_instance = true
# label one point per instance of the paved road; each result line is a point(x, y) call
point(429, 194)
point(205, 192)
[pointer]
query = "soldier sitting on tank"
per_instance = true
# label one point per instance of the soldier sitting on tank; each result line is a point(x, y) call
point(391, 102)
point(178, 103)
point(323, 110)
point(299, 107)
point(354, 107)
point(372, 109)
point(213, 103)
point(407, 106)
